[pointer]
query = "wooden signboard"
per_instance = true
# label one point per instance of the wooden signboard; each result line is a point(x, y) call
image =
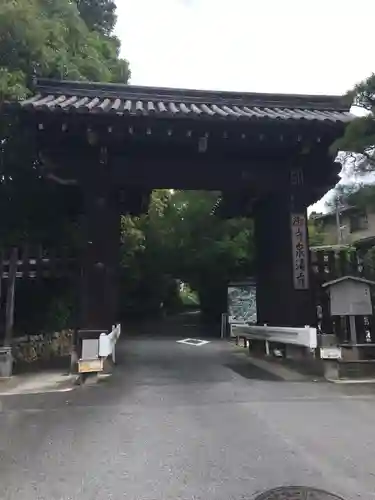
point(300, 251)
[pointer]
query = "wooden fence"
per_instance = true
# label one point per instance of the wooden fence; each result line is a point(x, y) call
point(29, 263)
point(36, 263)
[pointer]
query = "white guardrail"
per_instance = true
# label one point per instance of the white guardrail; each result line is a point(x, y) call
point(306, 336)
point(107, 343)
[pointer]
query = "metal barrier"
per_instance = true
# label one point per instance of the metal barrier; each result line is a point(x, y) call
point(107, 343)
point(96, 346)
point(224, 325)
point(306, 336)
point(6, 362)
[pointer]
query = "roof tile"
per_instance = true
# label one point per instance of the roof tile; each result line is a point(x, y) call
point(130, 100)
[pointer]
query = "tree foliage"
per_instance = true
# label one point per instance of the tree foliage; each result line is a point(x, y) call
point(181, 239)
point(316, 233)
point(341, 195)
point(51, 39)
point(356, 194)
point(358, 141)
point(99, 15)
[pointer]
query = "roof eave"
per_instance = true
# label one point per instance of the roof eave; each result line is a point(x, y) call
point(16, 107)
point(326, 102)
point(346, 278)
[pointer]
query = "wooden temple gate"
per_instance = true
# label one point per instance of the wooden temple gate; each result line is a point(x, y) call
point(268, 154)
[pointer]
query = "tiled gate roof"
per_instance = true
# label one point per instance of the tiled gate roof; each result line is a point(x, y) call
point(128, 100)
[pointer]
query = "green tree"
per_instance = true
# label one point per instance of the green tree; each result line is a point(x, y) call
point(99, 15)
point(356, 194)
point(180, 238)
point(358, 141)
point(50, 37)
point(316, 233)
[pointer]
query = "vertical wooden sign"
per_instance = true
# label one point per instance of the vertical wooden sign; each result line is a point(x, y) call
point(300, 251)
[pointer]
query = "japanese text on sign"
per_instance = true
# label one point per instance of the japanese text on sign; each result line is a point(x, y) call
point(300, 252)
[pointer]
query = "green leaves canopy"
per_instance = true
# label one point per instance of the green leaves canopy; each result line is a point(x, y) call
point(50, 37)
point(316, 234)
point(181, 238)
point(358, 140)
point(355, 194)
point(99, 15)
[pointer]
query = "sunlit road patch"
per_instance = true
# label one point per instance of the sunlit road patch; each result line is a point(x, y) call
point(195, 342)
point(39, 383)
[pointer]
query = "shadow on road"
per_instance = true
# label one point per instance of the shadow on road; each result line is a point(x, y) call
point(247, 370)
point(185, 324)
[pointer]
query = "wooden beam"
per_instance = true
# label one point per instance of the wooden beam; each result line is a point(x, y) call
point(198, 173)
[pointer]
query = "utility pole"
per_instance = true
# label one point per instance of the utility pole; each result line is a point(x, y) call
point(338, 225)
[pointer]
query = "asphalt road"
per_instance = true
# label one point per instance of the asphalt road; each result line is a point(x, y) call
point(186, 422)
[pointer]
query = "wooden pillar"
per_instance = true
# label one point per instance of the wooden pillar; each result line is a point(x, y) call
point(101, 248)
point(284, 296)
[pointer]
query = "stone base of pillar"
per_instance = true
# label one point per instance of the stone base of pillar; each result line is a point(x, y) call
point(297, 352)
point(257, 348)
point(331, 370)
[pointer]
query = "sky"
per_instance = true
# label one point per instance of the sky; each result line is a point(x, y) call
point(281, 46)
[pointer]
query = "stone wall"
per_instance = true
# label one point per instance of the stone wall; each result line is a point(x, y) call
point(43, 347)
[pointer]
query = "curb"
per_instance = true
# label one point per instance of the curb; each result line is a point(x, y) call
point(285, 373)
point(351, 381)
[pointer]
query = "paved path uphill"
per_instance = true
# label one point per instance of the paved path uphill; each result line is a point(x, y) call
point(185, 422)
